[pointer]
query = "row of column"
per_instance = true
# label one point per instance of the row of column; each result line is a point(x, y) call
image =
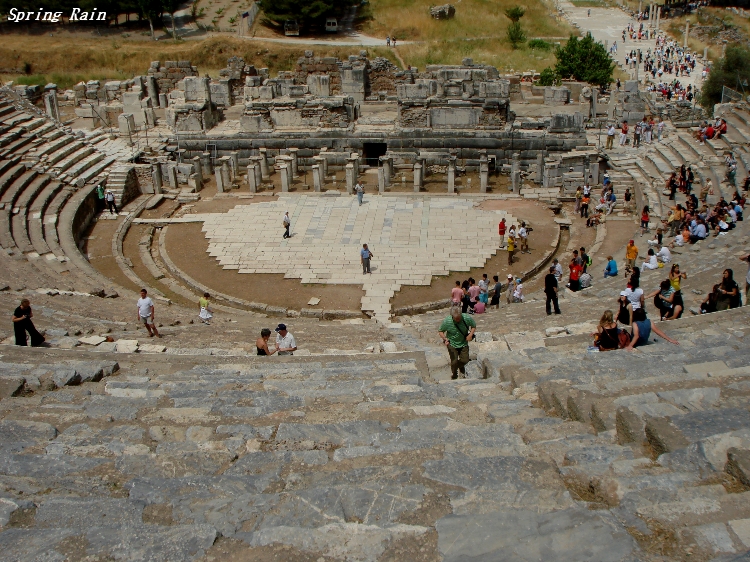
point(226, 171)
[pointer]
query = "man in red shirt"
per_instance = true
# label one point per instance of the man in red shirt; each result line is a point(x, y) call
point(624, 133)
point(501, 232)
point(575, 275)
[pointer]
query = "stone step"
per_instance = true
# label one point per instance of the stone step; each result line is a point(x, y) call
point(19, 222)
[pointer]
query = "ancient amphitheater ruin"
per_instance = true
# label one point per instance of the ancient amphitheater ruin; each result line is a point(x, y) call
point(360, 446)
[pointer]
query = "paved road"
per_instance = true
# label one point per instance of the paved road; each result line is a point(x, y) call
point(606, 25)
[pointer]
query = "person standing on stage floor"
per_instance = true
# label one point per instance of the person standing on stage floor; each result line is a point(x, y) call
point(285, 342)
point(501, 231)
point(286, 223)
point(495, 301)
point(610, 136)
point(109, 197)
point(550, 290)
point(100, 198)
point(146, 314)
point(365, 255)
point(22, 323)
point(511, 247)
point(456, 331)
point(360, 189)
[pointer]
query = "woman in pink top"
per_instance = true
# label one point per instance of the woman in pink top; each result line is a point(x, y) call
point(457, 293)
point(473, 294)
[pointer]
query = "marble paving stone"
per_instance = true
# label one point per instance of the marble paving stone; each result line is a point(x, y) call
point(411, 240)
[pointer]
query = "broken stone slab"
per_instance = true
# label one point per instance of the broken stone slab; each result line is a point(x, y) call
point(313, 301)
point(518, 341)
point(11, 385)
point(431, 410)
point(22, 430)
point(387, 347)
point(151, 348)
point(65, 377)
point(56, 332)
point(92, 340)
point(555, 331)
point(126, 346)
point(474, 370)
point(483, 337)
point(518, 534)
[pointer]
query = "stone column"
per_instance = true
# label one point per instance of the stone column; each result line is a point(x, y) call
point(452, 176)
point(321, 176)
point(206, 163)
point(381, 180)
point(417, 177)
point(316, 177)
point(265, 170)
point(349, 178)
point(387, 171)
point(705, 54)
point(198, 173)
point(640, 6)
point(687, 34)
point(658, 17)
point(515, 163)
point(258, 175)
point(595, 172)
point(283, 172)
point(423, 162)
point(219, 180)
point(325, 167)
point(587, 169)
point(484, 173)
point(234, 162)
point(539, 167)
point(515, 178)
point(295, 161)
point(156, 177)
point(226, 176)
point(251, 177)
point(594, 94)
point(172, 175)
point(163, 101)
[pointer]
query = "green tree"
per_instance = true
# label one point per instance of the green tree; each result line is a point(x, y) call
point(150, 10)
point(731, 71)
point(585, 60)
point(516, 34)
point(548, 77)
point(171, 6)
point(304, 11)
point(515, 13)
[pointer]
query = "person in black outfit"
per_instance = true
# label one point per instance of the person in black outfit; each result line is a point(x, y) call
point(261, 344)
point(22, 323)
point(550, 289)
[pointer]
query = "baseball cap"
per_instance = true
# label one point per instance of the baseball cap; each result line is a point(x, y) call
point(510, 276)
point(632, 242)
point(280, 327)
point(623, 293)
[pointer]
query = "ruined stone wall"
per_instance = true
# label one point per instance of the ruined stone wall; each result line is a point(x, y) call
point(233, 79)
point(172, 72)
point(306, 112)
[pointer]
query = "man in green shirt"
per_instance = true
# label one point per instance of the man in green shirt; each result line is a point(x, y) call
point(456, 331)
point(99, 198)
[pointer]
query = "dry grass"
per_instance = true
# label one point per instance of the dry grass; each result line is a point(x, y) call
point(410, 20)
point(494, 52)
point(67, 60)
point(707, 16)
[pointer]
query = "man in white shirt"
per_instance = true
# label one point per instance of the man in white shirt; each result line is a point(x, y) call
point(285, 342)
point(610, 136)
point(664, 255)
point(286, 223)
point(523, 236)
point(558, 269)
point(146, 314)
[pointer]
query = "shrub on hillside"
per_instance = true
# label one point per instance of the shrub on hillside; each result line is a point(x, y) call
point(732, 71)
point(540, 44)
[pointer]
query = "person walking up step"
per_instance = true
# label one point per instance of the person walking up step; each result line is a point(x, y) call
point(456, 331)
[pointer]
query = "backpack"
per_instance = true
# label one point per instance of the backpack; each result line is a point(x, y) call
point(589, 261)
point(624, 338)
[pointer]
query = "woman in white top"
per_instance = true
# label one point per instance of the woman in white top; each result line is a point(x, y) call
point(518, 291)
point(651, 263)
